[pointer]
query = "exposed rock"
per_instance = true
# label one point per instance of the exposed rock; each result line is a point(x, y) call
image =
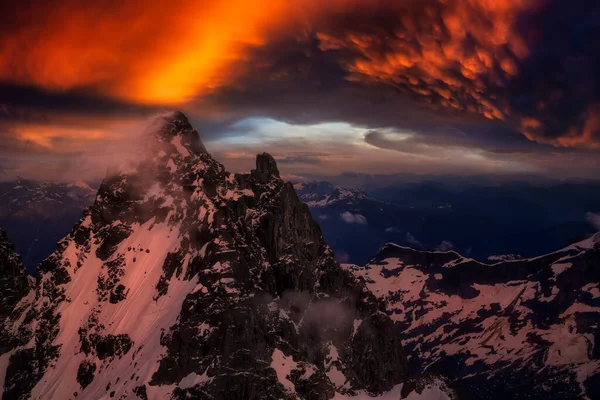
point(266, 164)
point(223, 281)
point(519, 329)
point(14, 282)
point(85, 373)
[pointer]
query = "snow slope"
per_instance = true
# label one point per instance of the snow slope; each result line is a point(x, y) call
point(513, 329)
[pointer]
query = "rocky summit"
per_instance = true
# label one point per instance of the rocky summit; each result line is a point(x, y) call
point(183, 280)
point(517, 329)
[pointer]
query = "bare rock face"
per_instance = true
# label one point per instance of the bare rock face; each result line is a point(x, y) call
point(15, 284)
point(186, 281)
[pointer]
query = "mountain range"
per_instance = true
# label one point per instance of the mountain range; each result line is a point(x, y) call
point(183, 280)
point(477, 220)
point(519, 329)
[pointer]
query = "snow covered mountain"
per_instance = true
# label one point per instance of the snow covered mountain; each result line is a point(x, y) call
point(323, 194)
point(520, 329)
point(38, 214)
point(185, 281)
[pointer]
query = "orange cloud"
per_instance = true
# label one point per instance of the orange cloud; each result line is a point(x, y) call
point(167, 53)
point(451, 55)
point(586, 133)
point(69, 134)
point(151, 52)
point(454, 53)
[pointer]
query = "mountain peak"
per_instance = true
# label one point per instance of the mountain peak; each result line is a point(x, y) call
point(266, 163)
point(184, 280)
point(174, 127)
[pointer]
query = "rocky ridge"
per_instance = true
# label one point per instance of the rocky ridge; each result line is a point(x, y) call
point(183, 280)
point(519, 329)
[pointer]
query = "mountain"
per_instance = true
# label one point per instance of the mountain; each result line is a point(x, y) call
point(15, 285)
point(313, 192)
point(519, 329)
point(185, 281)
point(39, 214)
point(478, 221)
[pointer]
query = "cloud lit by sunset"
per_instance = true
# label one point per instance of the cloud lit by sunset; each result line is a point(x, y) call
point(497, 69)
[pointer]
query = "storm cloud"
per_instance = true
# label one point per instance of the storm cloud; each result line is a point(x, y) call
point(509, 84)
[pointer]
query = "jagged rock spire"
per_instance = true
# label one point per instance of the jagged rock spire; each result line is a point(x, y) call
point(266, 163)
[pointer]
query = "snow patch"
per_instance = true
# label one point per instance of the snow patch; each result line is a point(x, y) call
point(283, 366)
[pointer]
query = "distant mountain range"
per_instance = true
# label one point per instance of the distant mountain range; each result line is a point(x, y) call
point(38, 214)
point(522, 329)
point(514, 218)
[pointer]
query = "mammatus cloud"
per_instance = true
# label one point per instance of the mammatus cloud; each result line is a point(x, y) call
point(74, 72)
point(454, 54)
point(351, 218)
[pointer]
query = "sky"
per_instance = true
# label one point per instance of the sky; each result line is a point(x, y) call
point(465, 87)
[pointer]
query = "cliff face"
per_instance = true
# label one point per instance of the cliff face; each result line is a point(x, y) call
point(185, 280)
point(15, 285)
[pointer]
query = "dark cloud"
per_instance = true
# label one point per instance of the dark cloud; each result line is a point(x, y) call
point(511, 81)
point(558, 87)
point(31, 104)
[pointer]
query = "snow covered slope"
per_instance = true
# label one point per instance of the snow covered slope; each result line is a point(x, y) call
point(185, 281)
point(522, 329)
point(323, 194)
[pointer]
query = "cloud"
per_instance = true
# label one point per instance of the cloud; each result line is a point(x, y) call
point(593, 219)
point(66, 151)
point(164, 54)
point(452, 54)
point(517, 77)
point(445, 245)
point(300, 159)
point(351, 218)
point(413, 240)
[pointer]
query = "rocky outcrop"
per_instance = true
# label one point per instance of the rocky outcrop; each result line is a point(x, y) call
point(14, 282)
point(183, 280)
point(15, 285)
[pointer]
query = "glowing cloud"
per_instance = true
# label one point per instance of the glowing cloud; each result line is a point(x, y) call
point(454, 54)
point(150, 52)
